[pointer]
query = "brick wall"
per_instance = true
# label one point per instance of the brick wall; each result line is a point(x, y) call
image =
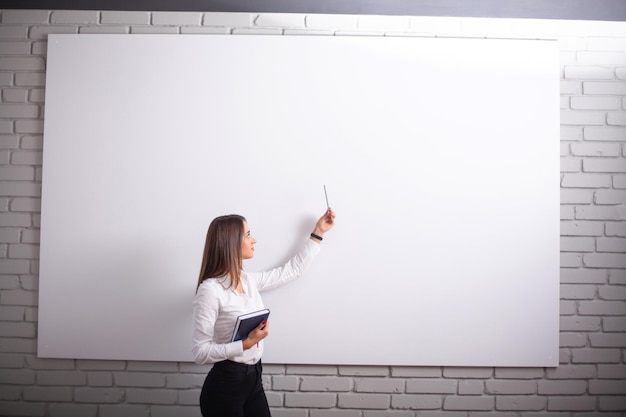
point(592, 372)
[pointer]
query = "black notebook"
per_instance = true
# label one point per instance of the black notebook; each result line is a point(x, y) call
point(248, 322)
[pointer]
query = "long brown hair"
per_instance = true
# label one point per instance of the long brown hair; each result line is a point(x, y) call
point(222, 249)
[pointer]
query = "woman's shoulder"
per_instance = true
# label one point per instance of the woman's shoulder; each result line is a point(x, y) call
point(211, 285)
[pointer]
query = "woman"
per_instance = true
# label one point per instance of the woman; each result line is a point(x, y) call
point(233, 387)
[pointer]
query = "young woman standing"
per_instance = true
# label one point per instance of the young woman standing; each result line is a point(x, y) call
point(233, 387)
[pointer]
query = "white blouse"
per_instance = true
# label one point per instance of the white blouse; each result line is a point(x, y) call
point(216, 308)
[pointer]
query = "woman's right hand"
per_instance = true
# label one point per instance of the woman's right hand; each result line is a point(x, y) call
point(256, 335)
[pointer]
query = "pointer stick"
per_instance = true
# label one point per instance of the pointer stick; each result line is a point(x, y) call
point(326, 195)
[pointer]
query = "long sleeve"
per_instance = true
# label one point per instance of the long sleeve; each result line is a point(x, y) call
point(205, 347)
point(293, 269)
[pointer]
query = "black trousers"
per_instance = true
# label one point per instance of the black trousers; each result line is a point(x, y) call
point(233, 389)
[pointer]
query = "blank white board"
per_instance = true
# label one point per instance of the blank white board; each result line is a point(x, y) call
point(440, 157)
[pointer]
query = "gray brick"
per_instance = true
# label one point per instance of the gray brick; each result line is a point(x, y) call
point(520, 403)
point(189, 397)
point(15, 95)
point(605, 133)
point(152, 366)
point(335, 413)
point(10, 393)
point(310, 399)
point(9, 282)
point(184, 381)
point(617, 277)
point(603, 165)
point(571, 403)
point(30, 79)
point(74, 17)
point(608, 340)
point(588, 72)
point(91, 365)
point(363, 371)
point(562, 387)
point(610, 197)
point(612, 404)
point(309, 370)
point(26, 158)
point(17, 297)
point(573, 196)
point(577, 292)
point(416, 402)
point(602, 308)
point(98, 395)
point(616, 229)
point(64, 378)
point(17, 173)
point(583, 276)
point(105, 30)
point(280, 20)
point(586, 181)
point(29, 63)
point(124, 410)
point(151, 396)
point(605, 260)
point(177, 18)
point(42, 32)
point(431, 386)
point(379, 385)
point(276, 412)
point(172, 411)
point(12, 17)
point(24, 251)
point(614, 324)
point(48, 394)
point(18, 345)
point(611, 245)
point(17, 377)
point(73, 410)
point(462, 372)
point(285, 383)
point(595, 149)
point(125, 18)
point(607, 387)
point(595, 103)
point(416, 372)
point(572, 372)
point(11, 313)
point(100, 379)
point(228, 19)
point(472, 403)
point(580, 324)
point(274, 399)
point(26, 204)
point(511, 387)
point(596, 356)
point(325, 384)
point(17, 329)
point(29, 126)
point(154, 30)
point(18, 189)
point(471, 387)
point(139, 379)
point(577, 244)
point(23, 409)
point(571, 133)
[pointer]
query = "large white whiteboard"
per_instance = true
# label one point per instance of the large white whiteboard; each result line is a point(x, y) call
point(440, 157)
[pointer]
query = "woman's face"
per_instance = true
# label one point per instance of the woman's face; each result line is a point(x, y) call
point(247, 243)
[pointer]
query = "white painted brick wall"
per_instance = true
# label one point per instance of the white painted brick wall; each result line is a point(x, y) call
point(592, 373)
